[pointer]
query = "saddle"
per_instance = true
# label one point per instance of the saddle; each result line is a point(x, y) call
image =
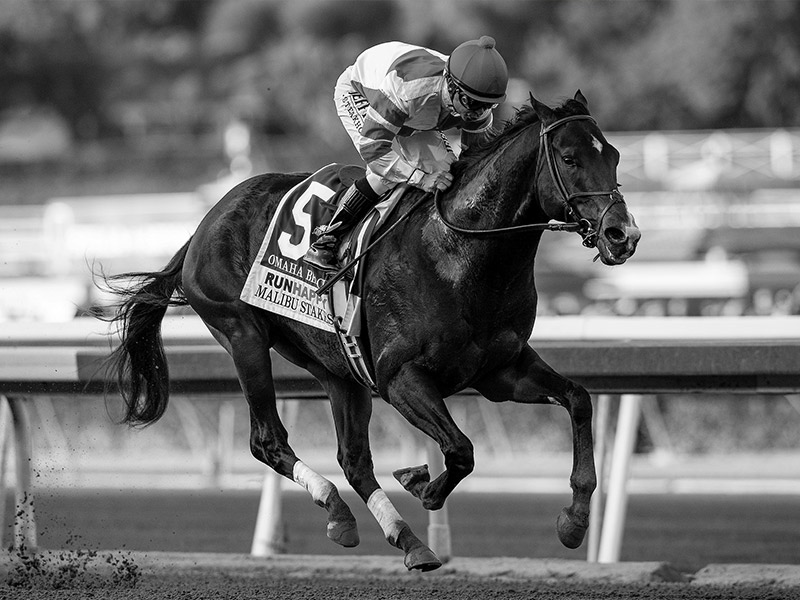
point(280, 282)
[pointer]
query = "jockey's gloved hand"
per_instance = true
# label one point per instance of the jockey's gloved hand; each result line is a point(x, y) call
point(440, 180)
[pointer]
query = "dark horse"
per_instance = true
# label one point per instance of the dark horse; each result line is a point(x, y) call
point(445, 310)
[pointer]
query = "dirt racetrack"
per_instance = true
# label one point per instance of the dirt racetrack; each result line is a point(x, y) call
point(157, 575)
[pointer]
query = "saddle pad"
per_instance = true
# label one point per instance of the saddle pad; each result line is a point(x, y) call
point(279, 281)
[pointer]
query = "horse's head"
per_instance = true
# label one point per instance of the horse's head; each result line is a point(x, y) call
point(577, 179)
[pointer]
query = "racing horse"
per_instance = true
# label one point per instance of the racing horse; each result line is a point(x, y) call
point(449, 303)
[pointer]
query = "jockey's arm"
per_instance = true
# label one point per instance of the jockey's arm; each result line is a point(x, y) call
point(387, 114)
point(375, 148)
point(388, 167)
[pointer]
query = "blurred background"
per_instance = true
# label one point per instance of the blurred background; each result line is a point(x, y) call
point(122, 123)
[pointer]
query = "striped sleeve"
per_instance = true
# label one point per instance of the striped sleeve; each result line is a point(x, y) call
point(382, 123)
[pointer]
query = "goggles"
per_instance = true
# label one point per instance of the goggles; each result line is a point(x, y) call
point(473, 105)
point(469, 103)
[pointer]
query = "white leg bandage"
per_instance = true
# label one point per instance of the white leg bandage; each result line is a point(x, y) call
point(316, 484)
point(386, 514)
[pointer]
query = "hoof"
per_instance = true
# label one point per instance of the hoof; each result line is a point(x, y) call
point(430, 504)
point(570, 533)
point(344, 533)
point(414, 479)
point(342, 526)
point(422, 559)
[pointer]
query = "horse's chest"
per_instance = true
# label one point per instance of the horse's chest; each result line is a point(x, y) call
point(461, 355)
point(447, 330)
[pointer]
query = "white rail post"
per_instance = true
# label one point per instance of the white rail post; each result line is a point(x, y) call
point(5, 428)
point(617, 497)
point(24, 521)
point(268, 535)
point(438, 523)
point(225, 433)
point(600, 438)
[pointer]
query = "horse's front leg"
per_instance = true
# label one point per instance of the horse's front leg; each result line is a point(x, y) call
point(414, 395)
point(530, 380)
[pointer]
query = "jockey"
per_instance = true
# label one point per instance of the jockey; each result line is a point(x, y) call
point(394, 102)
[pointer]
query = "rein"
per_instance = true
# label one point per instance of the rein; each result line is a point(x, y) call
point(345, 268)
point(497, 232)
point(578, 224)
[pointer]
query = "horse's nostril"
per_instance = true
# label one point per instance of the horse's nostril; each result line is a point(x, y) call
point(615, 235)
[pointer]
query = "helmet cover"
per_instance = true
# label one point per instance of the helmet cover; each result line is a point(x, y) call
point(479, 70)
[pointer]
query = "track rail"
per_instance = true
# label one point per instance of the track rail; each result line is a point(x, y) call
point(625, 356)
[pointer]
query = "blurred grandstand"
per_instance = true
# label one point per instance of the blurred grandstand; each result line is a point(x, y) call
point(719, 210)
point(719, 213)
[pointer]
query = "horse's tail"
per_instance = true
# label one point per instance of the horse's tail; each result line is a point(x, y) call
point(139, 364)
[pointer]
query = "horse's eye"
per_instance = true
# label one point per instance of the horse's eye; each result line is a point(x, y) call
point(568, 160)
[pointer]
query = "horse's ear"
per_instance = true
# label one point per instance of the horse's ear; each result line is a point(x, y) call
point(544, 112)
point(582, 99)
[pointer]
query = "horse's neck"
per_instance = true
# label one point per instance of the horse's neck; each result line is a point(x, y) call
point(499, 190)
point(495, 193)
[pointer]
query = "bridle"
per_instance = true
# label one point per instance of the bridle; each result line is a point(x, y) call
point(574, 222)
point(588, 233)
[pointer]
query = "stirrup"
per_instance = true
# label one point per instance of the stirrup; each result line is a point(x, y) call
point(322, 254)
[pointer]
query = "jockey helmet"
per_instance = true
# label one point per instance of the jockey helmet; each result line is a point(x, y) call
point(479, 70)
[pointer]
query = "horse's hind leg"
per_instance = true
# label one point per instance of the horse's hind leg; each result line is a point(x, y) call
point(268, 437)
point(352, 409)
point(532, 381)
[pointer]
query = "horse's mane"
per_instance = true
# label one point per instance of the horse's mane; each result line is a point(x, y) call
point(523, 117)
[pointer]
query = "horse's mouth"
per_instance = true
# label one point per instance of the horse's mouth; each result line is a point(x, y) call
point(617, 242)
point(610, 260)
point(614, 254)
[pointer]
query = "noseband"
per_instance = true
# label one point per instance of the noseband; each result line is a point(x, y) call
point(575, 222)
point(586, 231)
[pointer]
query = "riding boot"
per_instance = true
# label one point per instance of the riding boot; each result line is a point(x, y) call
point(355, 203)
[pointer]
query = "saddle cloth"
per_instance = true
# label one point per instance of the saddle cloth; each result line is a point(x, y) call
point(279, 280)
